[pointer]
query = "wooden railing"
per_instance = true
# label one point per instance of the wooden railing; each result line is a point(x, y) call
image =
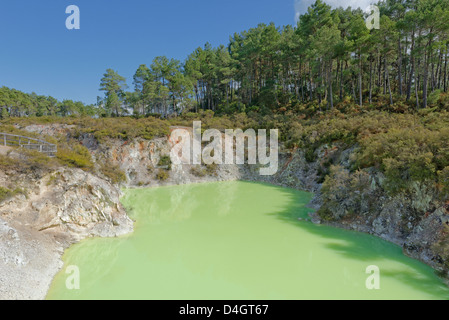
point(12, 140)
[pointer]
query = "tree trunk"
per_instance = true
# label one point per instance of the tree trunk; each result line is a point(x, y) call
point(412, 71)
point(400, 65)
point(341, 80)
point(331, 98)
point(360, 79)
point(388, 81)
point(425, 80)
point(370, 80)
point(445, 69)
point(310, 79)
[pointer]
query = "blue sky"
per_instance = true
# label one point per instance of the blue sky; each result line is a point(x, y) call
point(38, 53)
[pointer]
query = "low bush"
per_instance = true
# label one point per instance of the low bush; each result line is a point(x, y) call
point(113, 173)
point(6, 193)
point(162, 175)
point(198, 171)
point(75, 155)
point(211, 169)
point(165, 161)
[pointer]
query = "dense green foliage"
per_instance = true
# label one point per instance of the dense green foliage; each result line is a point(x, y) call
point(6, 193)
point(15, 103)
point(329, 57)
point(406, 147)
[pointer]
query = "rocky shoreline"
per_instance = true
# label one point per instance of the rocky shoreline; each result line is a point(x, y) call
point(56, 212)
point(69, 205)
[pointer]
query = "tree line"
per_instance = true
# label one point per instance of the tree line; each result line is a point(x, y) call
point(330, 56)
point(16, 103)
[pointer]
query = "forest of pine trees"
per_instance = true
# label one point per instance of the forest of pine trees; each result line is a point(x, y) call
point(330, 57)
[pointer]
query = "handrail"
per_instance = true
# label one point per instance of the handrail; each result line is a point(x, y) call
point(13, 140)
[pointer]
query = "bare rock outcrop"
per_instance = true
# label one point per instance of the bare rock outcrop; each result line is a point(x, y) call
point(58, 210)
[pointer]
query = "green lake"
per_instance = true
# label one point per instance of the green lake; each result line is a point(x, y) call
point(235, 241)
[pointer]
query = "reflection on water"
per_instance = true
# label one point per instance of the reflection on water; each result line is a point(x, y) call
point(238, 240)
point(180, 203)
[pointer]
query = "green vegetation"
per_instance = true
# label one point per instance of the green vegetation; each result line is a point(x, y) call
point(198, 171)
point(14, 103)
point(6, 194)
point(406, 147)
point(162, 175)
point(28, 162)
point(113, 173)
point(113, 84)
point(75, 155)
point(165, 161)
point(205, 170)
point(53, 178)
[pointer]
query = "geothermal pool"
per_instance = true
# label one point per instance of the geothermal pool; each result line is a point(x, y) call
point(237, 240)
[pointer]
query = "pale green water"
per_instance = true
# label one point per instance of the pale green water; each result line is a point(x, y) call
point(237, 240)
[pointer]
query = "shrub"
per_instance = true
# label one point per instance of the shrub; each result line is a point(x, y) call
point(443, 179)
point(310, 154)
point(27, 161)
point(407, 154)
point(113, 173)
point(165, 161)
point(75, 156)
point(198, 171)
point(6, 193)
point(7, 163)
point(433, 97)
point(211, 169)
point(342, 193)
point(205, 170)
point(162, 175)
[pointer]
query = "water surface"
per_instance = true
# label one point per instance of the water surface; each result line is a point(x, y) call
point(237, 240)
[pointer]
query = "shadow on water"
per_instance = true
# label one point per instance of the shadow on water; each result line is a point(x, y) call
point(362, 247)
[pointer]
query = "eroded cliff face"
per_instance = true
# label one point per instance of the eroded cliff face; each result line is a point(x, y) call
point(140, 161)
point(415, 219)
point(57, 210)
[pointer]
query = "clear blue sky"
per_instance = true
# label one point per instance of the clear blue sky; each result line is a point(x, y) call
point(38, 53)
